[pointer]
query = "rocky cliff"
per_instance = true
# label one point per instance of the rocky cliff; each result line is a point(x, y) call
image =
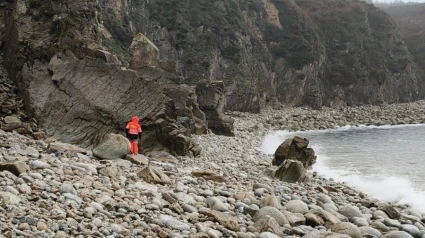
point(297, 52)
point(293, 52)
point(410, 19)
point(78, 91)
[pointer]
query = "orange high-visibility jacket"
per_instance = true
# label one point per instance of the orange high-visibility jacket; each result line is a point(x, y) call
point(133, 127)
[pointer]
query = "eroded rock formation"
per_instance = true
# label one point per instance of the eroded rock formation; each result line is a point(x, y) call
point(323, 53)
point(212, 101)
point(291, 161)
point(295, 149)
point(78, 90)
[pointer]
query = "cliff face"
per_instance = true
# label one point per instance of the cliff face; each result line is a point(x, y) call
point(301, 52)
point(410, 19)
point(267, 52)
point(78, 92)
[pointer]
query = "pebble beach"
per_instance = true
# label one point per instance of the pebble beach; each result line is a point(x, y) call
point(61, 190)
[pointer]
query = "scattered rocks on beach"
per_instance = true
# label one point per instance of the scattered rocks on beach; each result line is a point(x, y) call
point(51, 189)
point(296, 119)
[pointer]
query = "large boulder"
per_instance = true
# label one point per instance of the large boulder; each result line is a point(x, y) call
point(143, 53)
point(112, 147)
point(291, 171)
point(10, 123)
point(79, 92)
point(176, 138)
point(77, 105)
point(295, 149)
point(212, 101)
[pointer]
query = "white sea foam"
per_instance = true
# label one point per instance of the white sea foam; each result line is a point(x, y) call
point(383, 187)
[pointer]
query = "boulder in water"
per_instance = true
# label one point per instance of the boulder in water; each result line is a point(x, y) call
point(291, 171)
point(295, 149)
point(113, 147)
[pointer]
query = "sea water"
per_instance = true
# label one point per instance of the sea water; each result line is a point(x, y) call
point(386, 162)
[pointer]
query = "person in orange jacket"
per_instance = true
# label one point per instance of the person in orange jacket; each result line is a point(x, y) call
point(133, 131)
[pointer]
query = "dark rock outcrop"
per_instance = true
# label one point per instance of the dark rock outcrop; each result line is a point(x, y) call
point(212, 101)
point(295, 149)
point(291, 161)
point(143, 53)
point(291, 171)
point(78, 90)
point(246, 102)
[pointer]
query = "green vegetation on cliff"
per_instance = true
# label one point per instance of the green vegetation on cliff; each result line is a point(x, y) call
point(329, 52)
point(410, 18)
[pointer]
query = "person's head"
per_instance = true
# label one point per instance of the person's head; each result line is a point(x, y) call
point(135, 119)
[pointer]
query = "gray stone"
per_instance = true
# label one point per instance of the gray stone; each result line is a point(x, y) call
point(9, 198)
point(38, 164)
point(392, 222)
point(216, 204)
point(66, 148)
point(398, 234)
point(73, 197)
point(379, 213)
point(11, 123)
point(330, 206)
point(350, 212)
point(272, 212)
point(123, 163)
point(112, 147)
point(116, 228)
point(412, 230)
point(31, 152)
point(67, 188)
point(366, 230)
point(24, 188)
point(360, 221)
point(297, 206)
point(267, 235)
point(348, 229)
point(271, 201)
point(188, 208)
point(173, 223)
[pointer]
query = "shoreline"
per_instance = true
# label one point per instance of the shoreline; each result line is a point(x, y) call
point(418, 119)
point(68, 194)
